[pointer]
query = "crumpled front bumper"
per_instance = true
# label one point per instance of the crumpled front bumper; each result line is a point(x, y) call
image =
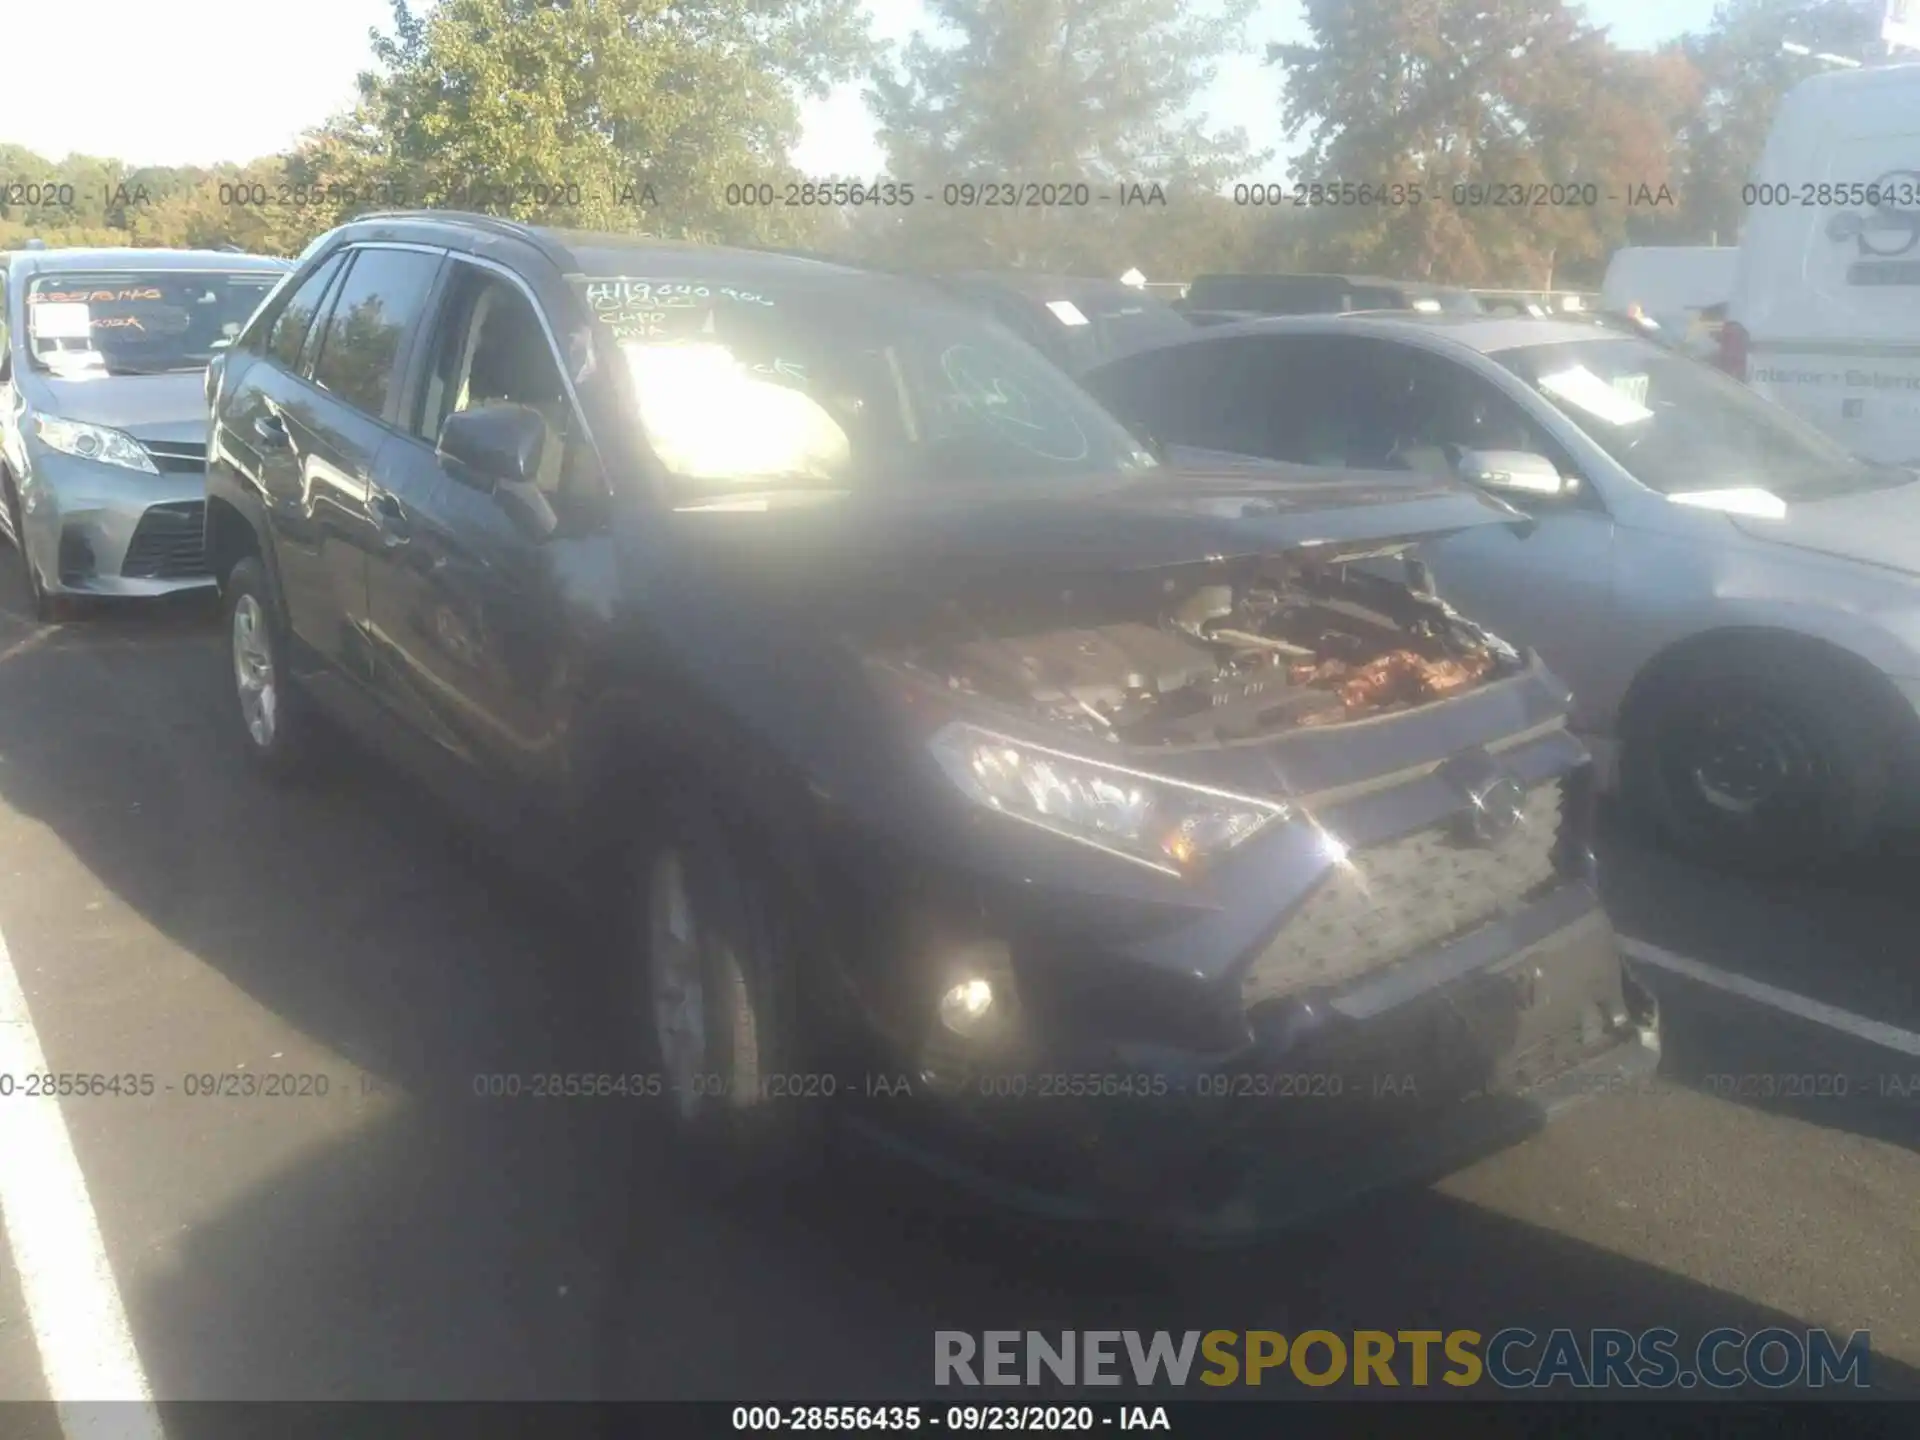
point(1407, 1085)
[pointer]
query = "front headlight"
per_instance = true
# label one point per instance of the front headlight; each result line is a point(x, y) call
point(93, 442)
point(1167, 824)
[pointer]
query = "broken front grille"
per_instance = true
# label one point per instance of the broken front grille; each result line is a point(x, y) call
point(169, 543)
point(1389, 901)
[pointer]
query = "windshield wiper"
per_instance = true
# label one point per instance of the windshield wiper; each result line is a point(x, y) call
point(156, 369)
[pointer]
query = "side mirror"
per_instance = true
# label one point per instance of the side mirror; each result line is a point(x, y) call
point(1513, 472)
point(492, 445)
point(527, 506)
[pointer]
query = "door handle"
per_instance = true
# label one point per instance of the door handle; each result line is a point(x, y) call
point(272, 429)
point(389, 518)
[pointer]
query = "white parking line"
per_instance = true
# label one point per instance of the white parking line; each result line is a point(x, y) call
point(1874, 1032)
point(37, 638)
point(73, 1307)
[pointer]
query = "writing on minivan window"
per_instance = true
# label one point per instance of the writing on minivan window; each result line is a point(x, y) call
point(146, 323)
point(84, 297)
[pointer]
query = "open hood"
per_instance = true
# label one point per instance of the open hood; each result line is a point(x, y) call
point(1172, 606)
point(1098, 524)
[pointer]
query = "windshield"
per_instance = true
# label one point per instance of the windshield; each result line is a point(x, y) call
point(1681, 427)
point(128, 322)
point(844, 384)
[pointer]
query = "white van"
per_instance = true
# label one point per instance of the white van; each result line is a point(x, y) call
point(1672, 284)
point(1825, 314)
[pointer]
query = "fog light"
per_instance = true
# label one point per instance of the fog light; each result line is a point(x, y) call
point(964, 1008)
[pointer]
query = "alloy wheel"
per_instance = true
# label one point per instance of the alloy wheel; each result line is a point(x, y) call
point(676, 981)
point(253, 670)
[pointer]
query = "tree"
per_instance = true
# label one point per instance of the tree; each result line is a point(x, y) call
point(613, 114)
point(1744, 73)
point(1010, 94)
point(1503, 95)
point(1606, 119)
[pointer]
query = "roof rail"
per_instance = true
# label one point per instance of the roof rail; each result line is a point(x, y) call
point(495, 224)
point(845, 262)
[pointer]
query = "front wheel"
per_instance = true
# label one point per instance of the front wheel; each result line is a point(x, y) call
point(272, 721)
point(710, 997)
point(1760, 760)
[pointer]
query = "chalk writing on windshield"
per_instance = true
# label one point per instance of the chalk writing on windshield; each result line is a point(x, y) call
point(781, 370)
point(627, 292)
point(649, 325)
point(986, 390)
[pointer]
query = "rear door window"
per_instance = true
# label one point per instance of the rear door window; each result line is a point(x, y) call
point(379, 303)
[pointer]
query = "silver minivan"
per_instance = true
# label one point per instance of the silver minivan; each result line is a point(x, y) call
point(103, 412)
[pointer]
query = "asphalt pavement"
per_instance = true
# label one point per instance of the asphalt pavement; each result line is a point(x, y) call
point(398, 1236)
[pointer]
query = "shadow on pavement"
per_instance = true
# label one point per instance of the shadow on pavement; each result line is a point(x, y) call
point(447, 1246)
point(1843, 938)
point(397, 1266)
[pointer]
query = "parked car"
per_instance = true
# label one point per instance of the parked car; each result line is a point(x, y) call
point(1225, 299)
point(1730, 594)
point(914, 721)
point(1825, 307)
point(1074, 321)
point(103, 411)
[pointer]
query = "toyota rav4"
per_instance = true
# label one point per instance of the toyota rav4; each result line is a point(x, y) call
point(1128, 835)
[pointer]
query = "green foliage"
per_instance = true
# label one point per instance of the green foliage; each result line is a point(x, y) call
point(577, 112)
point(1436, 94)
point(638, 115)
point(1056, 92)
point(629, 115)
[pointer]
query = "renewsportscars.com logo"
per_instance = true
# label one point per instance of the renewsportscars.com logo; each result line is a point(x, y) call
point(1512, 1359)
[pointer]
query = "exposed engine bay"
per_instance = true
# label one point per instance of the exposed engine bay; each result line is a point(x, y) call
point(1291, 643)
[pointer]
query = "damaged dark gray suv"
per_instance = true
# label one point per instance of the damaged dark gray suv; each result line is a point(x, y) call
point(1128, 837)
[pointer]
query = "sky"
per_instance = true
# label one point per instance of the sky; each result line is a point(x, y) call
point(194, 82)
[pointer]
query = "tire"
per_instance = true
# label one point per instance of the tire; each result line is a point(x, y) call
point(1761, 760)
point(282, 747)
point(45, 608)
point(705, 905)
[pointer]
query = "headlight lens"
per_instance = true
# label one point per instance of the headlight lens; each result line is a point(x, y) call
point(1167, 824)
point(94, 442)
